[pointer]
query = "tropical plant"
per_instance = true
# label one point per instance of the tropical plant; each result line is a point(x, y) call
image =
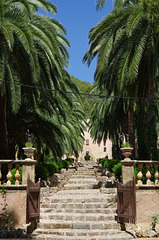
point(100, 3)
point(18, 57)
point(33, 52)
point(126, 43)
point(62, 134)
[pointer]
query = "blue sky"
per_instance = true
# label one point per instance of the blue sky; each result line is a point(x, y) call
point(78, 17)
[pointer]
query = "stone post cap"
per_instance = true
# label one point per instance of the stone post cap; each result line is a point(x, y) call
point(27, 161)
point(128, 162)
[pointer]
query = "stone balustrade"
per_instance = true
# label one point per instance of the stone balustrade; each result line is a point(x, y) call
point(148, 175)
point(143, 165)
point(28, 170)
point(152, 177)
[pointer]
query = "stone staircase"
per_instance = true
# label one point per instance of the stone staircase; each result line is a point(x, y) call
point(80, 210)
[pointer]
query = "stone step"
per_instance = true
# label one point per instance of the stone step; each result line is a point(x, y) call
point(87, 207)
point(77, 192)
point(80, 208)
point(51, 224)
point(82, 176)
point(89, 173)
point(80, 211)
point(83, 181)
point(80, 186)
point(79, 232)
point(77, 217)
point(114, 237)
point(53, 190)
point(81, 199)
point(109, 190)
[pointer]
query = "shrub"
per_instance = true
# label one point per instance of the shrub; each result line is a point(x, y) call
point(109, 163)
point(41, 171)
point(47, 169)
point(52, 167)
point(117, 171)
point(67, 162)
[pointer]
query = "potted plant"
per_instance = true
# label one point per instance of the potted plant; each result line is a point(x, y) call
point(29, 149)
point(126, 149)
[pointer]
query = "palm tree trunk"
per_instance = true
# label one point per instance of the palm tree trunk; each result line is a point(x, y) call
point(151, 118)
point(4, 153)
point(131, 130)
point(143, 152)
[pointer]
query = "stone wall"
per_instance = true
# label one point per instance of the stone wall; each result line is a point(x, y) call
point(16, 205)
point(147, 204)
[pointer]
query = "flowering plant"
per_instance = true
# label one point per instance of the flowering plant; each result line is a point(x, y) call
point(29, 139)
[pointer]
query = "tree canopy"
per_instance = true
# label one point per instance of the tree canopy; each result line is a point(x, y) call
point(127, 47)
point(34, 84)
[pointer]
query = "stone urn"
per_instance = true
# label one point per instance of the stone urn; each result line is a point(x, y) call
point(127, 152)
point(29, 152)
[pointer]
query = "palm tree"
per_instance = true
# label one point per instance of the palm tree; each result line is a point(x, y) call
point(100, 3)
point(33, 52)
point(126, 43)
point(62, 134)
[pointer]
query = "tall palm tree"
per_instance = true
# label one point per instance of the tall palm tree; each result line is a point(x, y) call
point(32, 52)
point(62, 134)
point(127, 46)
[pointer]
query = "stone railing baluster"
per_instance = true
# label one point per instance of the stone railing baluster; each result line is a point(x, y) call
point(17, 175)
point(9, 175)
point(140, 175)
point(156, 175)
point(148, 174)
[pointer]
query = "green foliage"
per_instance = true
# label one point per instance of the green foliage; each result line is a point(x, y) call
point(13, 171)
point(34, 52)
point(84, 87)
point(3, 190)
point(41, 171)
point(117, 171)
point(113, 165)
point(109, 163)
point(126, 144)
point(66, 163)
point(47, 169)
point(154, 221)
point(52, 167)
point(126, 67)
